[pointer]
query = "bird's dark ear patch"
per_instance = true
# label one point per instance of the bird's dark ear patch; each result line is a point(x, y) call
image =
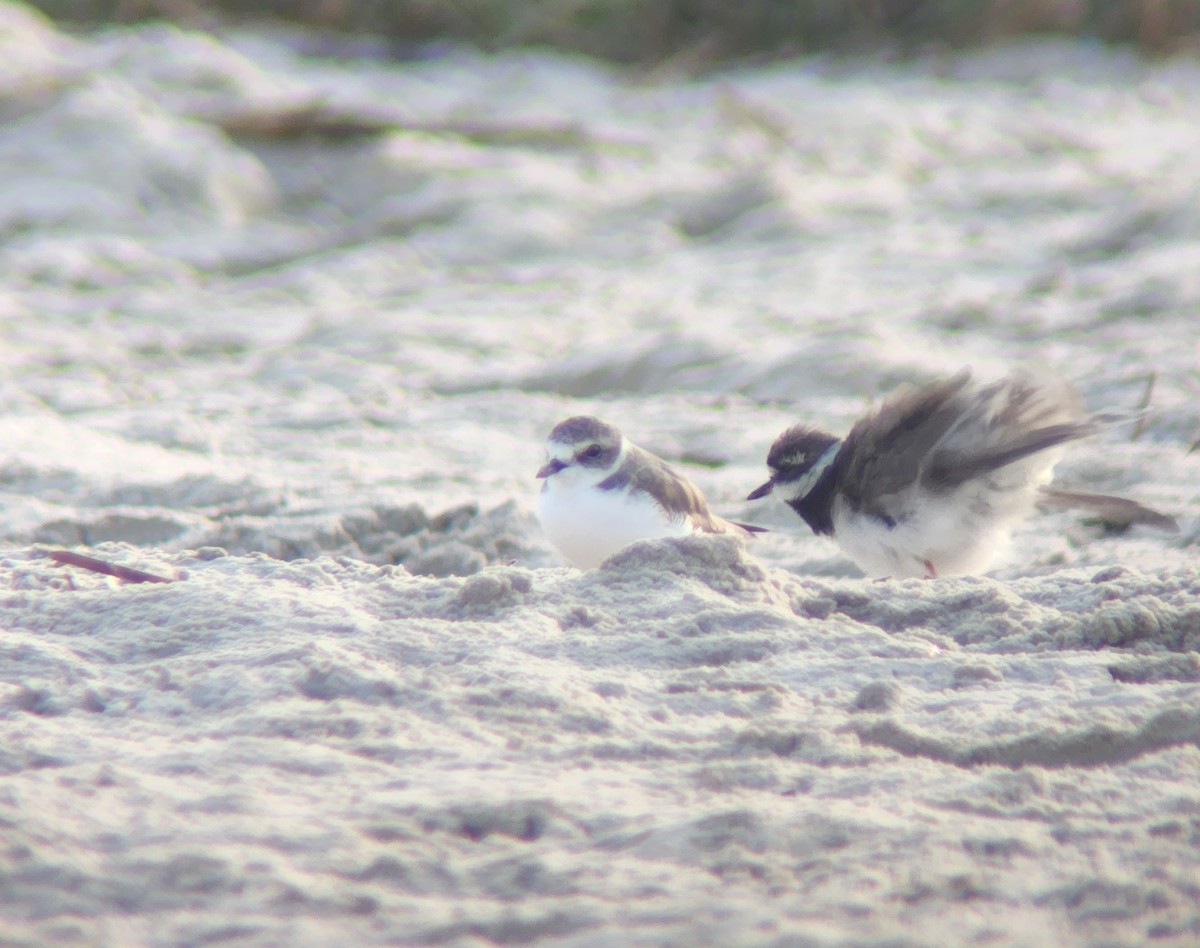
point(597, 455)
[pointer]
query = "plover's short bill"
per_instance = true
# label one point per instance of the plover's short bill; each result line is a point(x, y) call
point(933, 481)
point(600, 492)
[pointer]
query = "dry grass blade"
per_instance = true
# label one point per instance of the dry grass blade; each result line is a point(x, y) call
point(561, 135)
point(1139, 426)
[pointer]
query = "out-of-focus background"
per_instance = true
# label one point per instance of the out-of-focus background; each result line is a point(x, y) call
point(702, 32)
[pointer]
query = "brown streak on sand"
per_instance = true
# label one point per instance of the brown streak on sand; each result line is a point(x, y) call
point(125, 573)
point(1088, 747)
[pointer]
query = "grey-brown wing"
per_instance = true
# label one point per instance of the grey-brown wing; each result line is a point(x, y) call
point(888, 450)
point(1016, 417)
point(678, 496)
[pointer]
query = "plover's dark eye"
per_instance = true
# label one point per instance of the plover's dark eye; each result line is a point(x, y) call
point(592, 452)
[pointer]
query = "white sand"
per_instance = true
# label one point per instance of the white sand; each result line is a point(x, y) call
point(275, 370)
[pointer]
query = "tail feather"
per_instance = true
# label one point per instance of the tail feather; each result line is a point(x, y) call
point(1120, 512)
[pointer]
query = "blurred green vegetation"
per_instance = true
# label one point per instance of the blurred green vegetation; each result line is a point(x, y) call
point(651, 32)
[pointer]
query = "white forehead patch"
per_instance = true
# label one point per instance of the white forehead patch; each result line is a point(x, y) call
point(557, 451)
point(796, 457)
point(794, 490)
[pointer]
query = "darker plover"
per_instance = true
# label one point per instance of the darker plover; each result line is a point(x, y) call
point(933, 481)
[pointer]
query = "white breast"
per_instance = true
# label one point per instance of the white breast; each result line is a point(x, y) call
point(588, 525)
point(961, 533)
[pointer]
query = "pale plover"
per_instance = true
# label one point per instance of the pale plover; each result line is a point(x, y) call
point(601, 492)
point(933, 481)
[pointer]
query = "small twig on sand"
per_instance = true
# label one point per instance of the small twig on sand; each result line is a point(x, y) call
point(313, 119)
point(126, 573)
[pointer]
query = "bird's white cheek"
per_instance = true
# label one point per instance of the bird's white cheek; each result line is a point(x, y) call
point(569, 478)
point(803, 485)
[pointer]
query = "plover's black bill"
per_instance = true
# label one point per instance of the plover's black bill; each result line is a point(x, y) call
point(553, 467)
point(761, 491)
